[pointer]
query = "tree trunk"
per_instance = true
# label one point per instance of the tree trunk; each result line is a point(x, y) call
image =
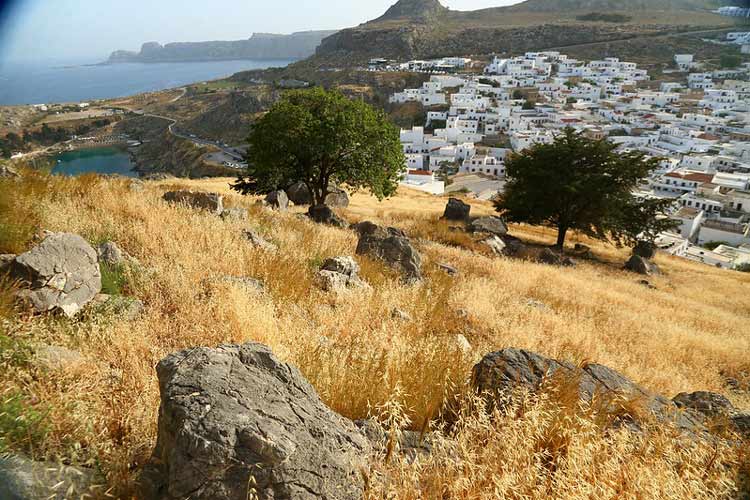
point(561, 232)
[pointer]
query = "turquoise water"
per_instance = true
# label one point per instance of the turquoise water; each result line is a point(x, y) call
point(105, 160)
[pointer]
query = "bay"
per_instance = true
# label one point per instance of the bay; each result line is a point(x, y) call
point(104, 160)
point(42, 83)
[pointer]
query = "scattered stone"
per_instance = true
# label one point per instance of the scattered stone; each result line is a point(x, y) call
point(391, 246)
point(235, 422)
point(52, 357)
point(462, 343)
point(501, 372)
point(7, 172)
point(490, 225)
point(339, 273)
point(235, 213)
point(322, 214)
point(513, 247)
point(410, 444)
point(449, 270)
point(647, 284)
point(337, 197)
point(710, 404)
point(24, 479)
point(6, 260)
point(645, 249)
point(495, 245)
point(258, 241)
point(299, 194)
point(277, 200)
point(111, 254)
point(640, 265)
point(244, 282)
point(456, 209)
point(400, 315)
point(157, 176)
point(553, 258)
point(200, 200)
point(136, 185)
point(61, 273)
point(536, 304)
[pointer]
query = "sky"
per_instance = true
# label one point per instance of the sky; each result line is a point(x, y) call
point(79, 30)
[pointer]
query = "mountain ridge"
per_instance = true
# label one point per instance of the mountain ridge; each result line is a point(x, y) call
point(259, 46)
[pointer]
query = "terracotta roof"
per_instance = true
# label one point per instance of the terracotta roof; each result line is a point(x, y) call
point(420, 172)
point(692, 176)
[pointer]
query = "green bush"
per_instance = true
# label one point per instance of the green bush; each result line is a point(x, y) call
point(113, 279)
point(713, 245)
point(743, 268)
point(22, 426)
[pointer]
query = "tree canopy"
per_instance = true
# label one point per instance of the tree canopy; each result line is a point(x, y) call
point(322, 139)
point(582, 184)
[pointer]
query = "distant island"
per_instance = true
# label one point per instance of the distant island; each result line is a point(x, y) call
point(259, 46)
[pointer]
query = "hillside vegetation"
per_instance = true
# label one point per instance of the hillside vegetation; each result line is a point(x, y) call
point(690, 333)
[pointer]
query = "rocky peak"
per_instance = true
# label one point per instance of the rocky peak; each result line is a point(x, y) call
point(413, 9)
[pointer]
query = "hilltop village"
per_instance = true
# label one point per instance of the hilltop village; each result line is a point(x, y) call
point(696, 121)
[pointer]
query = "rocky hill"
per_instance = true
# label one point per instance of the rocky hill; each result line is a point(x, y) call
point(425, 28)
point(259, 46)
point(374, 381)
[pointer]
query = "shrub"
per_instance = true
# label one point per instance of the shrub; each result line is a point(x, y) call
point(21, 425)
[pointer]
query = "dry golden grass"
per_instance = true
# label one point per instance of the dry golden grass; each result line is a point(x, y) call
point(687, 335)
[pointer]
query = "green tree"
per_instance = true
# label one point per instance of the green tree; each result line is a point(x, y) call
point(582, 184)
point(528, 105)
point(518, 94)
point(729, 61)
point(322, 138)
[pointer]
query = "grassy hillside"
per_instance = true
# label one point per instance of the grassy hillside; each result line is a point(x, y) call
point(689, 334)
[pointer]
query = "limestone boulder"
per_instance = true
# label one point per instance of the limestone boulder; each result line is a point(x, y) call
point(277, 200)
point(489, 225)
point(61, 273)
point(339, 273)
point(237, 423)
point(24, 479)
point(322, 214)
point(456, 210)
point(641, 265)
point(501, 372)
point(200, 200)
point(392, 247)
point(708, 403)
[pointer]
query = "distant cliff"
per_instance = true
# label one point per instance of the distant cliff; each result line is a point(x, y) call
point(259, 46)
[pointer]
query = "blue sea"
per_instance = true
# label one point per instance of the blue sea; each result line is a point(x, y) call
point(41, 83)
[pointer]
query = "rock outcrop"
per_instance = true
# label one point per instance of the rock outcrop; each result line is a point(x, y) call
point(554, 258)
point(489, 225)
point(641, 265)
point(212, 202)
point(392, 247)
point(24, 479)
point(61, 273)
point(456, 210)
point(339, 273)
point(300, 195)
point(237, 423)
point(322, 214)
point(499, 373)
point(277, 200)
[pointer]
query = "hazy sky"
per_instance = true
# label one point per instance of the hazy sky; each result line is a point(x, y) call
point(71, 30)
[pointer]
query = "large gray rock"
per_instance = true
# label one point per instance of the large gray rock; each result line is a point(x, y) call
point(258, 241)
point(237, 423)
point(212, 202)
point(24, 479)
point(61, 273)
point(490, 225)
point(300, 195)
point(499, 373)
point(456, 209)
point(339, 273)
point(391, 246)
point(640, 265)
point(554, 258)
point(707, 403)
point(111, 254)
point(322, 214)
point(277, 200)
